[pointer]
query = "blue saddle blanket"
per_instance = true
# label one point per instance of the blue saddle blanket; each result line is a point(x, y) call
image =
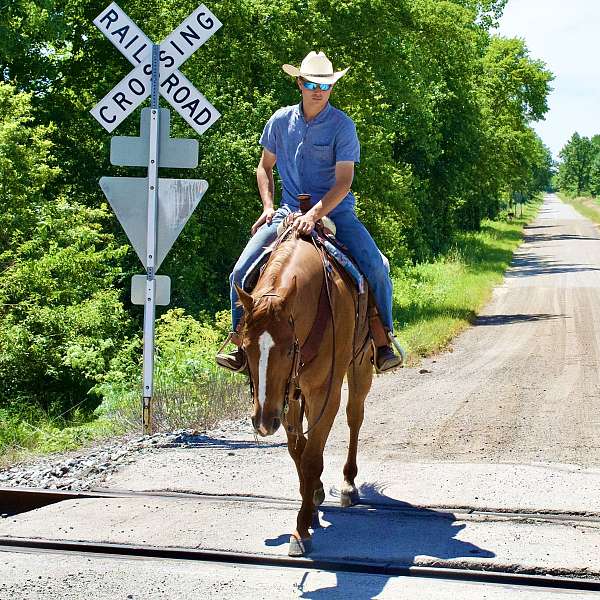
point(253, 273)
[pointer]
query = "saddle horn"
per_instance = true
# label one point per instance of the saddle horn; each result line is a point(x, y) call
point(304, 200)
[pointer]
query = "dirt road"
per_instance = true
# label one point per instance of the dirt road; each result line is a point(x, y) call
point(509, 418)
point(523, 384)
point(506, 421)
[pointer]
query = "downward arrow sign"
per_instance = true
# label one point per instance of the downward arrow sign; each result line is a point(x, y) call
point(177, 200)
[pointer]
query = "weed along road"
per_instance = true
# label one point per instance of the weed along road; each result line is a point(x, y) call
point(483, 459)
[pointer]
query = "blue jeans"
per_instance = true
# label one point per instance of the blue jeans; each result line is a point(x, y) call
point(350, 232)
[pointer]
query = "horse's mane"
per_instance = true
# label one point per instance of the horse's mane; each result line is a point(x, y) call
point(267, 308)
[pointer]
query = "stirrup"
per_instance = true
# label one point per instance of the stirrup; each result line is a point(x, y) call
point(391, 364)
point(398, 347)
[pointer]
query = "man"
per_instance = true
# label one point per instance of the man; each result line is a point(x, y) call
point(315, 147)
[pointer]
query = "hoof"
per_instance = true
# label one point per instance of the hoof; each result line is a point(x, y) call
point(319, 496)
point(316, 524)
point(349, 498)
point(299, 547)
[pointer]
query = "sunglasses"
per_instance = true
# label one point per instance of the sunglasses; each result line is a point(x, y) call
point(309, 85)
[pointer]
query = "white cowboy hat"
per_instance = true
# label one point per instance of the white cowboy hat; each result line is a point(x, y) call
point(315, 67)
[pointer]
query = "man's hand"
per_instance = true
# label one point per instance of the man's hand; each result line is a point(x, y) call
point(266, 217)
point(304, 225)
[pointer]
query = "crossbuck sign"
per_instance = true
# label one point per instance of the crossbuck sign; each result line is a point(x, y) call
point(134, 88)
point(154, 210)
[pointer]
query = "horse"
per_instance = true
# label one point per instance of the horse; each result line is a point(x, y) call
point(283, 317)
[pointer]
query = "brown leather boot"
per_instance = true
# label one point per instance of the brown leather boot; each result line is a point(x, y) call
point(234, 361)
point(386, 360)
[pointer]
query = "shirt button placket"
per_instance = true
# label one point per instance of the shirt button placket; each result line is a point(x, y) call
point(302, 155)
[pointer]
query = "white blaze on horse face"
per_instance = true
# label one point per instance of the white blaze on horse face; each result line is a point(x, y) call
point(265, 343)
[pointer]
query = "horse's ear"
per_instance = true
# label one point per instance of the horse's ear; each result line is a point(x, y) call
point(246, 299)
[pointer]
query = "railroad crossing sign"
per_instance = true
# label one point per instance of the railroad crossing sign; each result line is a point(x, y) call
point(175, 49)
point(154, 210)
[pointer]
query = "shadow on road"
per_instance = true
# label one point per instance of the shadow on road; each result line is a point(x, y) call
point(485, 320)
point(186, 440)
point(527, 265)
point(385, 531)
point(545, 237)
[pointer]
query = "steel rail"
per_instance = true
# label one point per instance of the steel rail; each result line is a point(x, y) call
point(20, 499)
point(24, 499)
point(389, 569)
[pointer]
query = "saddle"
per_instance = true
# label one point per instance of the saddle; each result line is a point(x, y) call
point(330, 250)
point(323, 236)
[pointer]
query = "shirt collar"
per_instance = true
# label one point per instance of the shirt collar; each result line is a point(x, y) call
point(320, 117)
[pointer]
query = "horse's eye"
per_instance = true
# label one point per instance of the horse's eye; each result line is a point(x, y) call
point(290, 351)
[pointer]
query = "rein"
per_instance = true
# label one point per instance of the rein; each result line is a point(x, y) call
point(297, 362)
point(330, 379)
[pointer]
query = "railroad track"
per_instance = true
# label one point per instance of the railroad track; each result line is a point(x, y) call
point(14, 501)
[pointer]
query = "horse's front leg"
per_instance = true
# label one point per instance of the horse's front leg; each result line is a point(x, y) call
point(295, 438)
point(311, 468)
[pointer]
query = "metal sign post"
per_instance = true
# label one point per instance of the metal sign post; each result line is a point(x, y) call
point(150, 304)
point(154, 210)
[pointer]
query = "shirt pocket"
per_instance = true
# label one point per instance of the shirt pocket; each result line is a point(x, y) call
point(322, 153)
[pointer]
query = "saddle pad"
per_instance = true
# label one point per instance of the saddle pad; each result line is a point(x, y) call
point(343, 260)
point(251, 277)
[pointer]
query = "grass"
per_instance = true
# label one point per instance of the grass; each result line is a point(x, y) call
point(198, 406)
point(21, 438)
point(584, 205)
point(433, 302)
point(190, 392)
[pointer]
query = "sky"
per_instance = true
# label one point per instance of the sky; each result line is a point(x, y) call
point(565, 34)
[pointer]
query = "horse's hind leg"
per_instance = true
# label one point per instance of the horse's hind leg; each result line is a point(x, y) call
point(360, 376)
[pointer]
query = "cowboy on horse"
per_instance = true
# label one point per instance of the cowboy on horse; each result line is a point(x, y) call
point(314, 146)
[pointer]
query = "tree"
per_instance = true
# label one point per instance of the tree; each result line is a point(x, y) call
point(576, 163)
point(61, 316)
point(442, 108)
point(512, 93)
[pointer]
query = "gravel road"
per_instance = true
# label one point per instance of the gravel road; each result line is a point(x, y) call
point(519, 390)
point(507, 420)
point(523, 384)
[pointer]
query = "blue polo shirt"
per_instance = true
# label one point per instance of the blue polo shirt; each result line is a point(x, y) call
point(307, 152)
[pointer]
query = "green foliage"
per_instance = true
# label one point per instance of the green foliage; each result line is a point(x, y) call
point(441, 107)
point(576, 169)
point(61, 317)
point(443, 111)
point(435, 301)
point(184, 355)
point(190, 391)
point(510, 158)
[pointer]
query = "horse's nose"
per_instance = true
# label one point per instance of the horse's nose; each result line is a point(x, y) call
point(265, 429)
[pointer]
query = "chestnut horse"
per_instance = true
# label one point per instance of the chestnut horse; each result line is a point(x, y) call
point(279, 317)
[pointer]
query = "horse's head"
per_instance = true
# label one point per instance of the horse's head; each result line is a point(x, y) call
point(270, 343)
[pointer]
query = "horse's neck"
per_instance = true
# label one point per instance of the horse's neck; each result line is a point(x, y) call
point(295, 265)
